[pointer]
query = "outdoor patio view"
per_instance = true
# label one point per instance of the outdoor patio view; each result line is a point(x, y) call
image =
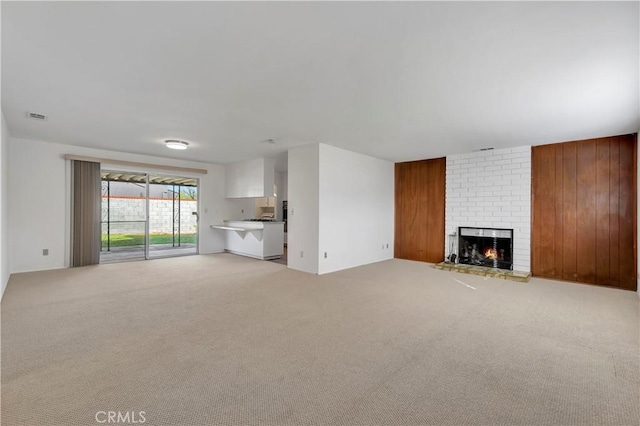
point(172, 217)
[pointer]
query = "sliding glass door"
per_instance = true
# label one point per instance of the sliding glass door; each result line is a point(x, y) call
point(148, 216)
point(173, 216)
point(124, 216)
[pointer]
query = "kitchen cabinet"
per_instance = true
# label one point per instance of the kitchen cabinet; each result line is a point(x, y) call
point(266, 202)
point(260, 240)
point(250, 179)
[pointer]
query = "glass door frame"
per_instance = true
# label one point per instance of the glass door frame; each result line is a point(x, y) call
point(147, 237)
point(124, 171)
point(197, 245)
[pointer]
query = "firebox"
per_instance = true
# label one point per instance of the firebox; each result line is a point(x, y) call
point(490, 247)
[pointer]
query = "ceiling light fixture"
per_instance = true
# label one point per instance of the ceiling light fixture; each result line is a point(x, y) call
point(176, 144)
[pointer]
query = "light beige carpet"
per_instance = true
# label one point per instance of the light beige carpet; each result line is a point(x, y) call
point(227, 340)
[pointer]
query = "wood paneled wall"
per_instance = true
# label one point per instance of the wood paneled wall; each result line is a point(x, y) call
point(584, 211)
point(420, 197)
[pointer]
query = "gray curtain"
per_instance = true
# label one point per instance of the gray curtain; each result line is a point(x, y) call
point(85, 237)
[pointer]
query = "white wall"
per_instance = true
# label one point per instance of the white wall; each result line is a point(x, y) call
point(285, 186)
point(303, 193)
point(356, 220)
point(341, 203)
point(240, 208)
point(281, 185)
point(4, 216)
point(39, 204)
point(492, 189)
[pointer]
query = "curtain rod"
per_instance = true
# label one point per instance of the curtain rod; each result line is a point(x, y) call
point(134, 164)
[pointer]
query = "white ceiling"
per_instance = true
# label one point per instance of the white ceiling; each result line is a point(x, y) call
point(399, 81)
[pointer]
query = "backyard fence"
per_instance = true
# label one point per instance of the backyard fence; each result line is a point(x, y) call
point(127, 215)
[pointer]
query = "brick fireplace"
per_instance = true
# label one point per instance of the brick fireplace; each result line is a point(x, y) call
point(490, 190)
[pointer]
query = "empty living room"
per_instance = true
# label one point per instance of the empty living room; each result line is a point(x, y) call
point(320, 213)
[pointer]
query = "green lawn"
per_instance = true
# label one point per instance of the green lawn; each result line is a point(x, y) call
point(125, 240)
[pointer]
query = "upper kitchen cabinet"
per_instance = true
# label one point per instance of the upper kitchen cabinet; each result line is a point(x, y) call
point(250, 179)
point(266, 206)
point(266, 202)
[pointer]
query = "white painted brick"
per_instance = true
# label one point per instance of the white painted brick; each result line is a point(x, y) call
point(521, 160)
point(524, 191)
point(513, 155)
point(492, 189)
point(523, 148)
point(493, 198)
point(494, 168)
point(508, 161)
point(514, 167)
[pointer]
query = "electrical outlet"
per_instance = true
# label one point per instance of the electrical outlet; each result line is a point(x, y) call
point(242, 211)
point(387, 245)
point(45, 252)
point(325, 254)
point(301, 253)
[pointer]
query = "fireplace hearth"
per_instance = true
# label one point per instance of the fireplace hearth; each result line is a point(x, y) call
point(488, 247)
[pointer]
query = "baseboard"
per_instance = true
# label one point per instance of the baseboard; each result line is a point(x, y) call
point(212, 252)
point(39, 270)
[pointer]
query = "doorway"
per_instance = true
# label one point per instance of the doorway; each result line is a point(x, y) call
point(147, 216)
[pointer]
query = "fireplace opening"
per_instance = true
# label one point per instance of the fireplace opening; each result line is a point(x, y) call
point(489, 247)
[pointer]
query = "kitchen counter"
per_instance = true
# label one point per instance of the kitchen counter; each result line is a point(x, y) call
point(260, 240)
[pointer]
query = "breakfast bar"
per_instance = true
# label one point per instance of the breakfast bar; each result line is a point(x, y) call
point(258, 239)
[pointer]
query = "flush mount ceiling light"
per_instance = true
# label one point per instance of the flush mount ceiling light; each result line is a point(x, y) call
point(176, 144)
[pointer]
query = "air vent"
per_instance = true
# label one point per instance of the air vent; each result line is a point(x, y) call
point(36, 116)
point(483, 149)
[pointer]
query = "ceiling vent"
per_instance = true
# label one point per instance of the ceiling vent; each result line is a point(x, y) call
point(36, 116)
